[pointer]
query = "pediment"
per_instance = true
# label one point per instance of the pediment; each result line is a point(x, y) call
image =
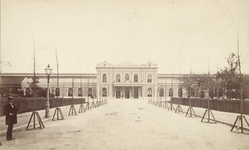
point(150, 64)
point(104, 64)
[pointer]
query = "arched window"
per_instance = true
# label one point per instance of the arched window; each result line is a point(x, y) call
point(104, 92)
point(149, 78)
point(118, 78)
point(170, 92)
point(104, 78)
point(57, 92)
point(135, 78)
point(27, 92)
point(126, 77)
point(180, 92)
point(70, 92)
point(80, 92)
point(149, 92)
point(90, 92)
point(161, 93)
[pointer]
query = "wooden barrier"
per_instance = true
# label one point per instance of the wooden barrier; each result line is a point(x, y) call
point(26, 104)
point(215, 104)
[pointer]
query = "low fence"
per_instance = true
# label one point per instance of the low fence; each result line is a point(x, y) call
point(25, 104)
point(215, 104)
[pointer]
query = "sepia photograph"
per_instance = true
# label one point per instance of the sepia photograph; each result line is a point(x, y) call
point(124, 75)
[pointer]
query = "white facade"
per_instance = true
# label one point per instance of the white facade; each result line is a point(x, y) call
point(126, 80)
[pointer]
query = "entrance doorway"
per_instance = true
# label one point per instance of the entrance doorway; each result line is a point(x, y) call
point(127, 93)
point(149, 92)
point(104, 92)
point(136, 93)
point(117, 93)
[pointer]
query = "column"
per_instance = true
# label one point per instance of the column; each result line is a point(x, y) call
point(142, 91)
point(132, 92)
point(123, 95)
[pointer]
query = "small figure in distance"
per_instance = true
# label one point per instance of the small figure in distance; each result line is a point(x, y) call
point(10, 111)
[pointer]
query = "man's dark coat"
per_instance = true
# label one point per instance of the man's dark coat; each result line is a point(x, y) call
point(10, 119)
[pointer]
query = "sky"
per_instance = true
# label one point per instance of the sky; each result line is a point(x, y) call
point(179, 36)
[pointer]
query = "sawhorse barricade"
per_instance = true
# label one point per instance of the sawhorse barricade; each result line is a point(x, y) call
point(178, 109)
point(33, 115)
point(93, 105)
point(150, 101)
point(58, 114)
point(82, 109)
point(72, 111)
point(160, 104)
point(190, 112)
point(208, 113)
point(171, 107)
point(87, 106)
point(165, 104)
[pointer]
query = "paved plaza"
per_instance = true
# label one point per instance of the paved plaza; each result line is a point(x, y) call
point(126, 125)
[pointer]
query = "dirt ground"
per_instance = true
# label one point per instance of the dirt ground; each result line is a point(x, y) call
point(128, 125)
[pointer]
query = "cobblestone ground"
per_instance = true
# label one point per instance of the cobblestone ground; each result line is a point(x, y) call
point(128, 125)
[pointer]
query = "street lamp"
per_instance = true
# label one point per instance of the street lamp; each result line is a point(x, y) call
point(48, 71)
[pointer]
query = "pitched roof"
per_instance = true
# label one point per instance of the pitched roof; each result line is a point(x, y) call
point(11, 80)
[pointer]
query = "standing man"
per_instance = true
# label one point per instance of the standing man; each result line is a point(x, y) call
point(10, 112)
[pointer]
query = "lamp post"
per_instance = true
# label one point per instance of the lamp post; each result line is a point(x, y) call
point(48, 71)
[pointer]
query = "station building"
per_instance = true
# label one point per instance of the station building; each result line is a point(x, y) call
point(124, 80)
